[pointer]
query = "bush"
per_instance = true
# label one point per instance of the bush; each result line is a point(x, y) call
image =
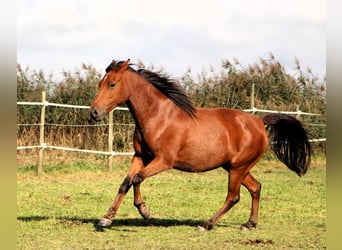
point(230, 87)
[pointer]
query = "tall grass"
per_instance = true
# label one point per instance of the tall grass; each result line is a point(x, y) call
point(229, 87)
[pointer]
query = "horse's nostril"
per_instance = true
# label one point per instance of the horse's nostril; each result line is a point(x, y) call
point(94, 114)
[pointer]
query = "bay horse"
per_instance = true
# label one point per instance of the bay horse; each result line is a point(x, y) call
point(171, 133)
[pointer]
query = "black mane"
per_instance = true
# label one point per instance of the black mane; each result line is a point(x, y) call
point(166, 85)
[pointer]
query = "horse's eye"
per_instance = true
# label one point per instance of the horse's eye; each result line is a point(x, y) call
point(112, 84)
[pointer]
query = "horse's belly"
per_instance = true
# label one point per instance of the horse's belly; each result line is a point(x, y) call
point(187, 167)
point(202, 158)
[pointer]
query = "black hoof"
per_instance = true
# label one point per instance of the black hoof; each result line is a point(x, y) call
point(144, 211)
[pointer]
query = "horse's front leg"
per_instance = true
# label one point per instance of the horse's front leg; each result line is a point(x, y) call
point(157, 165)
point(139, 203)
point(136, 166)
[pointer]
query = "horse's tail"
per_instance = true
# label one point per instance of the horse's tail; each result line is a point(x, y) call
point(289, 141)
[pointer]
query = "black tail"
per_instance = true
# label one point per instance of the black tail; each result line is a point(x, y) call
point(289, 141)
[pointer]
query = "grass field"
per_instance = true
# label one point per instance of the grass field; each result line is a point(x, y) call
point(59, 210)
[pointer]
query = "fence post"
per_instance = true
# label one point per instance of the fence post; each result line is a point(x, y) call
point(41, 134)
point(110, 140)
point(298, 111)
point(252, 97)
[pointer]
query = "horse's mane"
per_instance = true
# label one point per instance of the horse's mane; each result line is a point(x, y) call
point(165, 84)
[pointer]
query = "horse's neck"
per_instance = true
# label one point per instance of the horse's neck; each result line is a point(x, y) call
point(147, 104)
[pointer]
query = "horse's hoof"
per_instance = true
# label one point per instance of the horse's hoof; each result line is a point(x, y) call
point(104, 222)
point(204, 227)
point(248, 226)
point(144, 211)
point(244, 228)
point(201, 229)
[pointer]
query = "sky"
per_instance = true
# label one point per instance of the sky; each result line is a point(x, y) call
point(59, 35)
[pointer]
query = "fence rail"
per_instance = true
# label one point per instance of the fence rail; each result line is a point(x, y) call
point(110, 153)
point(297, 113)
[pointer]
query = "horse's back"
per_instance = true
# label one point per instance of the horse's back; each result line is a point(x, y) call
point(231, 119)
point(219, 135)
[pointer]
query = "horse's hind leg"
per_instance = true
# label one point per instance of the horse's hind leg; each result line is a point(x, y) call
point(254, 188)
point(233, 197)
point(238, 175)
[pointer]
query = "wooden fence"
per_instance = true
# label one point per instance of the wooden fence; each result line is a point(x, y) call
point(110, 153)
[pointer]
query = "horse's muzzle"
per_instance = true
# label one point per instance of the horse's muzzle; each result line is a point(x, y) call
point(94, 115)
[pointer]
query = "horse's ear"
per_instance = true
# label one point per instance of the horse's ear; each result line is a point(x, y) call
point(111, 66)
point(124, 66)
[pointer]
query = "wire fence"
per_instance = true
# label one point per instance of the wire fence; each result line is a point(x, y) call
point(110, 153)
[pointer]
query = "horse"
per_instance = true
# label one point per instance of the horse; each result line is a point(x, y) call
point(170, 132)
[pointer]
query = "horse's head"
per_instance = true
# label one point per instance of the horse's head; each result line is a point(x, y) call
point(112, 91)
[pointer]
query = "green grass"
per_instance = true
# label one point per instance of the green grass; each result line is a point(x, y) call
point(59, 210)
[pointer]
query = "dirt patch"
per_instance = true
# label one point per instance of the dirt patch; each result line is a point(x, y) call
point(258, 242)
